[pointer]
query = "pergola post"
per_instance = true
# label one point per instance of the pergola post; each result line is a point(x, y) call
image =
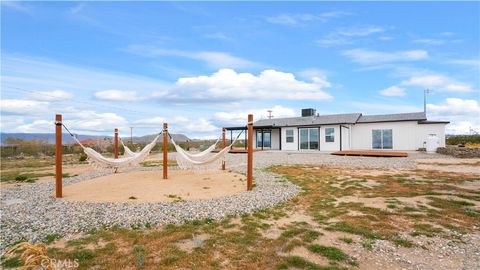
point(115, 143)
point(58, 156)
point(250, 153)
point(224, 144)
point(165, 151)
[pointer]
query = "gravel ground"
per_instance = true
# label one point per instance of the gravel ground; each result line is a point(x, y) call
point(30, 212)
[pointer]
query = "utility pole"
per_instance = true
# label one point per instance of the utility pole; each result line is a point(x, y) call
point(270, 116)
point(425, 92)
point(131, 135)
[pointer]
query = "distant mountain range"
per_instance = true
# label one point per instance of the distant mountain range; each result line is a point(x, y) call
point(66, 138)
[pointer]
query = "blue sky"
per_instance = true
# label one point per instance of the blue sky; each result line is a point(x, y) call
point(200, 66)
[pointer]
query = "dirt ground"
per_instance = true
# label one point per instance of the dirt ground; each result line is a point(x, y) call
point(148, 186)
point(345, 218)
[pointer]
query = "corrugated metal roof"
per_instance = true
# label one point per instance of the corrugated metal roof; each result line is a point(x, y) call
point(349, 118)
point(416, 116)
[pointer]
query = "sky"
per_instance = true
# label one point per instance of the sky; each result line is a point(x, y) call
point(201, 66)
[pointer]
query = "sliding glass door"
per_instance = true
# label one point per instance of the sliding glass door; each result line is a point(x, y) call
point(264, 138)
point(382, 139)
point(309, 138)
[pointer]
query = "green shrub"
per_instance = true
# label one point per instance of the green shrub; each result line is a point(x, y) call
point(21, 177)
point(82, 157)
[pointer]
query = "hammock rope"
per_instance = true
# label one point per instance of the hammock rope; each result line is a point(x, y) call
point(99, 160)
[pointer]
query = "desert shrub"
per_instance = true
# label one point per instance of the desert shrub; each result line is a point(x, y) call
point(21, 177)
point(464, 139)
point(82, 157)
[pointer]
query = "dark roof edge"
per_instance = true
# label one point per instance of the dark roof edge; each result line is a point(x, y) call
point(433, 122)
point(386, 121)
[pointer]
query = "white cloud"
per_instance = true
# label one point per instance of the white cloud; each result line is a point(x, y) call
point(240, 117)
point(118, 95)
point(364, 56)
point(380, 107)
point(77, 8)
point(456, 106)
point(200, 125)
point(433, 41)
point(386, 38)
point(462, 113)
point(303, 18)
point(18, 6)
point(342, 36)
point(393, 91)
point(218, 36)
point(51, 95)
point(23, 107)
point(228, 85)
point(438, 82)
point(87, 120)
point(333, 40)
point(78, 121)
point(159, 120)
point(468, 62)
point(44, 74)
point(429, 41)
point(463, 127)
point(213, 59)
point(360, 31)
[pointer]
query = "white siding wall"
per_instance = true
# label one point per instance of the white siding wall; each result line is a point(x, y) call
point(407, 136)
point(330, 146)
point(346, 142)
point(289, 146)
point(275, 137)
point(424, 130)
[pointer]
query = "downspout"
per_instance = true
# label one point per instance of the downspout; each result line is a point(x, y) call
point(262, 139)
point(280, 138)
point(340, 137)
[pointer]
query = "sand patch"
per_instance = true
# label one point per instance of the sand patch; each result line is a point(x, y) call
point(148, 186)
point(188, 245)
point(470, 185)
point(455, 165)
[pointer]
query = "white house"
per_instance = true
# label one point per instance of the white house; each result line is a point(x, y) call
point(353, 131)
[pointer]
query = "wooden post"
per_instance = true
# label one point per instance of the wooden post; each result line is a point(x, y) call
point(250, 153)
point(224, 144)
point(165, 151)
point(58, 156)
point(115, 143)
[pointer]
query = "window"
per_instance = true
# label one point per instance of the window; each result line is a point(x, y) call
point(289, 135)
point(330, 135)
point(308, 138)
point(382, 139)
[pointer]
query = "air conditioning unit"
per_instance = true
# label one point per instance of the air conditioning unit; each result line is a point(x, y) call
point(308, 112)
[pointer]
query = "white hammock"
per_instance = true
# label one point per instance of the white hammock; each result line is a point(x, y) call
point(204, 162)
point(198, 155)
point(127, 152)
point(102, 161)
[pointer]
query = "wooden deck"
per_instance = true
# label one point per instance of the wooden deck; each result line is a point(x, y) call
point(371, 153)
